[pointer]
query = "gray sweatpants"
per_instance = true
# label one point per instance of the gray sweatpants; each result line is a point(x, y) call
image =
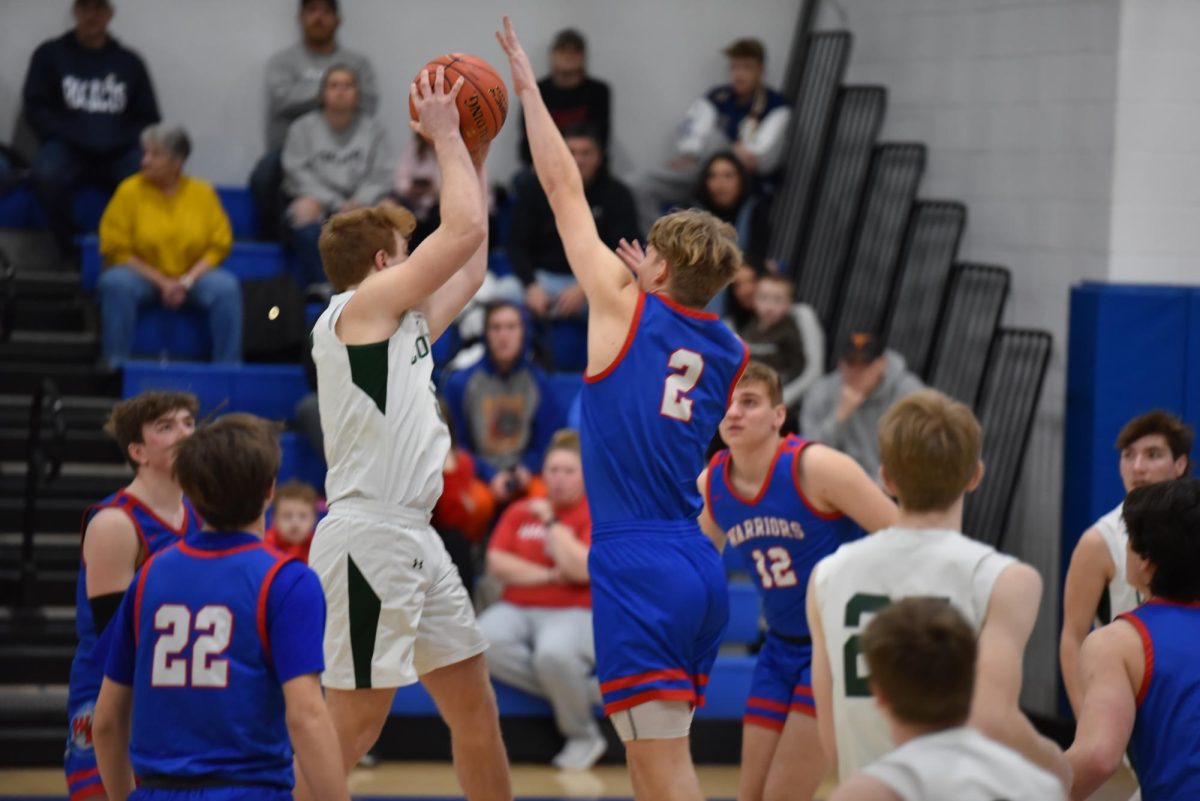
point(549, 653)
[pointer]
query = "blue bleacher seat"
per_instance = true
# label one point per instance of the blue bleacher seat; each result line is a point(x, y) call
point(181, 334)
point(249, 261)
point(268, 390)
point(299, 461)
point(565, 387)
point(239, 206)
point(568, 344)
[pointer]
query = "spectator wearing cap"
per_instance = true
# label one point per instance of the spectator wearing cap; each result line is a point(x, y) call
point(294, 80)
point(744, 115)
point(87, 98)
point(843, 409)
point(572, 96)
point(163, 237)
point(534, 247)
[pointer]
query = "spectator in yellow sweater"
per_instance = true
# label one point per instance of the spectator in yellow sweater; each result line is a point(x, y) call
point(163, 238)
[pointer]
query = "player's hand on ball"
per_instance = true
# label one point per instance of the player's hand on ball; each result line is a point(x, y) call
point(522, 71)
point(435, 106)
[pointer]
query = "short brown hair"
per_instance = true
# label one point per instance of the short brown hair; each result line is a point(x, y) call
point(130, 416)
point(702, 251)
point(929, 444)
point(565, 439)
point(757, 372)
point(350, 239)
point(227, 468)
point(296, 490)
point(1176, 432)
point(747, 48)
point(921, 656)
point(783, 281)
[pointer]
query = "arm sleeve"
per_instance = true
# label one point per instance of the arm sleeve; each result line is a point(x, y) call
point(522, 232)
point(299, 178)
point(378, 182)
point(700, 121)
point(602, 112)
point(767, 140)
point(121, 641)
point(144, 106)
point(288, 95)
point(116, 228)
point(546, 420)
point(43, 99)
point(296, 622)
point(221, 233)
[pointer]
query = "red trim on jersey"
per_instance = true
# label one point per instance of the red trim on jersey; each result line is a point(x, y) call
point(686, 311)
point(803, 709)
point(767, 704)
point(800, 449)
point(1147, 653)
point(750, 719)
point(179, 532)
point(80, 775)
point(671, 674)
point(263, 592)
point(625, 346)
point(91, 791)
point(137, 598)
point(802, 690)
point(1175, 604)
point(217, 554)
point(652, 695)
point(762, 490)
point(738, 375)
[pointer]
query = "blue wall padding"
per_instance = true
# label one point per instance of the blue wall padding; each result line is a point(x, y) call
point(1130, 349)
point(268, 390)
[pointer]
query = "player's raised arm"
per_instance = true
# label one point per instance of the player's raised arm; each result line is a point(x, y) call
point(599, 272)
point(372, 315)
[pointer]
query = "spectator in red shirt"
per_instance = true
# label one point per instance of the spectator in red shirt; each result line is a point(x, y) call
point(541, 628)
point(293, 519)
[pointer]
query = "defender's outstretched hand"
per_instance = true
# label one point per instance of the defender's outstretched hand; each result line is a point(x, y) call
point(437, 108)
point(523, 78)
point(631, 253)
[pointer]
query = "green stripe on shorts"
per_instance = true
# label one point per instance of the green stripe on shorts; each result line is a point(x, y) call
point(364, 622)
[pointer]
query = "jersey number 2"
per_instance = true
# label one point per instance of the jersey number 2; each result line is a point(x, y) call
point(174, 624)
point(675, 402)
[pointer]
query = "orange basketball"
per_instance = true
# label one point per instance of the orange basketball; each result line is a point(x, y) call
point(482, 101)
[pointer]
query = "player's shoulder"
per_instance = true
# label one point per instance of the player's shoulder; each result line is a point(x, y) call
point(111, 520)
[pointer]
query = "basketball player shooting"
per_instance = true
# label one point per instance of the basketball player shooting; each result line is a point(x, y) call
point(659, 375)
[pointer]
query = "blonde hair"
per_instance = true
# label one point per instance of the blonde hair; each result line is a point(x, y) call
point(760, 373)
point(565, 439)
point(349, 241)
point(702, 252)
point(929, 444)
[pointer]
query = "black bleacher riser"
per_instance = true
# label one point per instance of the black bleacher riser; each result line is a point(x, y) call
point(923, 279)
point(69, 486)
point(28, 746)
point(1008, 404)
point(812, 118)
point(89, 445)
point(969, 323)
point(55, 515)
point(52, 587)
point(843, 178)
point(71, 379)
point(870, 275)
point(43, 347)
point(79, 413)
point(35, 664)
point(54, 314)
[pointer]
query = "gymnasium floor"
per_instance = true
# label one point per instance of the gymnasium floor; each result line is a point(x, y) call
point(434, 781)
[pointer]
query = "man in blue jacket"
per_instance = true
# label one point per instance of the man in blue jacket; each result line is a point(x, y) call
point(88, 99)
point(503, 409)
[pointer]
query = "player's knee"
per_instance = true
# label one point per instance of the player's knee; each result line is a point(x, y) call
point(557, 661)
point(654, 720)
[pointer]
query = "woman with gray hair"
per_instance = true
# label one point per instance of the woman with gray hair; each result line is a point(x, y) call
point(163, 236)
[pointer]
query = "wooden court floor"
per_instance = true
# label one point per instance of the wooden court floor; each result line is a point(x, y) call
point(432, 781)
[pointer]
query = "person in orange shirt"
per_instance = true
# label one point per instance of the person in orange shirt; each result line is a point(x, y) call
point(541, 628)
point(163, 237)
point(293, 519)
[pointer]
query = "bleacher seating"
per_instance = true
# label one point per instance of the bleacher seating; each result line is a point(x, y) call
point(969, 322)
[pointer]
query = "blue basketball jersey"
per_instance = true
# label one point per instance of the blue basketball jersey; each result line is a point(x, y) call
point(202, 667)
point(648, 418)
point(1165, 746)
point(779, 536)
point(155, 534)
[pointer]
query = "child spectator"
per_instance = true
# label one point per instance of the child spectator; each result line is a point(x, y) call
point(294, 519)
point(772, 334)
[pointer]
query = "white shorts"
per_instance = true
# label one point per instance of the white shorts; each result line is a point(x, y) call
point(395, 604)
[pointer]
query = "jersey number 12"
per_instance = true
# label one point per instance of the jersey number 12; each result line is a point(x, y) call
point(675, 402)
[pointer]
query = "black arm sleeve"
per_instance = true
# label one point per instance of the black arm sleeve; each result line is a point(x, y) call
point(104, 607)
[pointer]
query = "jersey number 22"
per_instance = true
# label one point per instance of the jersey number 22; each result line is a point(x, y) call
point(173, 622)
point(675, 401)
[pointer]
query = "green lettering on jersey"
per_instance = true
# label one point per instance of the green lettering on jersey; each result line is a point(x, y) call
point(858, 606)
point(369, 371)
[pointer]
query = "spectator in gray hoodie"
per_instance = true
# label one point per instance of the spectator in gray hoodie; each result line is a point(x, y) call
point(843, 409)
point(294, 77)
point(336, 158)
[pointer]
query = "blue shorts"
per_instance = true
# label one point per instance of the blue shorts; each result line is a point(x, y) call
point(659, 609)
point(782, 683)
point(242, 793)
point(79, 761)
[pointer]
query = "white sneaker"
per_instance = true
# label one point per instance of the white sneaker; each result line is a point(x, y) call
point(580, 753)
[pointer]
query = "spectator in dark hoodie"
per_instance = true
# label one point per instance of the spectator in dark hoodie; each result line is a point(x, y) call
point(88, 99)
point(502, 406)
point(843, 409)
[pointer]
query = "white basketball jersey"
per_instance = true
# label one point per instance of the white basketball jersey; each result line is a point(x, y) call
point(385, 440)
point(863, 577)
point(961, 764)
point(1122, 597)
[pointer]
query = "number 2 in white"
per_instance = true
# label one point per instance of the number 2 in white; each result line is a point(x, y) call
point(170, 667)
point(779, 572)
point(675, 402)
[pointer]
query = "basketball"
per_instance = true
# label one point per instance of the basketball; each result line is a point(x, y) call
point(482, 102)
